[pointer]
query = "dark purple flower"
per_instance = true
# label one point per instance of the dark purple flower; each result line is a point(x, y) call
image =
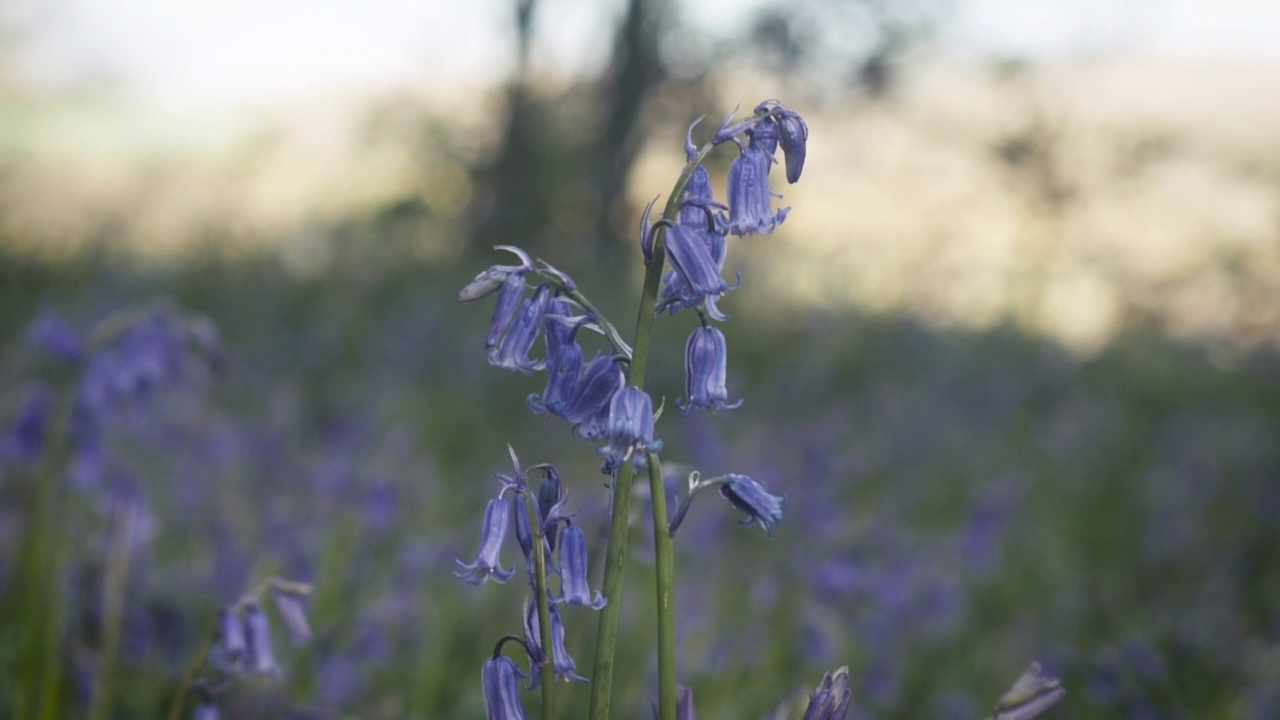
point(512, 353)
point(573, 571)
point(830, 701)
point(684, 705)
point(290, 601)
point(504, 309)
point(565, 667)
point(753, 499)
point(495, 277)
point(629, 430)
point(1031, 695)
point(497, 516)
point(262, 659)
point(501, 678)
point(793, 135)
point(705, 360)
point(750, 199)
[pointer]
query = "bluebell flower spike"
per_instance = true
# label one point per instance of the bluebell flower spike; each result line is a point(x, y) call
point(497, 517)
point(501, 679)
point(705, 363)
point(573, 571)
point(830, 701)
point(753, 499)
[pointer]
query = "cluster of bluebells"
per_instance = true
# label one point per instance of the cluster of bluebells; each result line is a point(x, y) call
point(243, 644)
point(565, 549)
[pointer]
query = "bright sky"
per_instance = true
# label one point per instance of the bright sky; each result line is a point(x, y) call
point(198, 53)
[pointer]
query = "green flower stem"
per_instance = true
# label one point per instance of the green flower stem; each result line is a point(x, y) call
point(664, 551)
point(113, 594)
point(189, 677)
point(615, 552)
point(544, 609)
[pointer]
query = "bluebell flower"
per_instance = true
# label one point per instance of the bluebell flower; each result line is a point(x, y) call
point(793, 135)
point(262, 659)
point(497, 516)
point(629, 430)
point(232, 650)
point(501, 679)
point(573, 571)
point(512, 353)
point(563, 368)
point(587, 407)
point(565, 667)
point(753, 499)
point(830, 701)
point(684, 705)
point(697, 259)
point(705, 360)
point(551, 498)
point(290, 601)
point(750, 199)
point(493, 278)
point(205, 711)
point(504, 309)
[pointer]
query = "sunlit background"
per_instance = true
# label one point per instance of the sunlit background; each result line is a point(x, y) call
point(1029, 287)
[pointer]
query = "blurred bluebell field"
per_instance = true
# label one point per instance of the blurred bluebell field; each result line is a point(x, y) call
point(1013, 362)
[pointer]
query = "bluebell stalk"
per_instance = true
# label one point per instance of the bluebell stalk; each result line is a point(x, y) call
point(501, 680)
point(629, 430)
point(830, 701)
point(705, 364)
point(497, 517)
point(573, 572)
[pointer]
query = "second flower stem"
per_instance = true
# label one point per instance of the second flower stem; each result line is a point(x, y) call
point(665, 581)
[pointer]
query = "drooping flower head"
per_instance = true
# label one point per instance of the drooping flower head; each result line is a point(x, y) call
point(497, 517)
point(705, 361)
point(587, 407)
point(750, 199)
point(793, 135)
point(290, 600)
point(697, 258)
point(232, 650)
point(629, 430)
point(501, 680)
point(753, 499)
point(684, 705)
